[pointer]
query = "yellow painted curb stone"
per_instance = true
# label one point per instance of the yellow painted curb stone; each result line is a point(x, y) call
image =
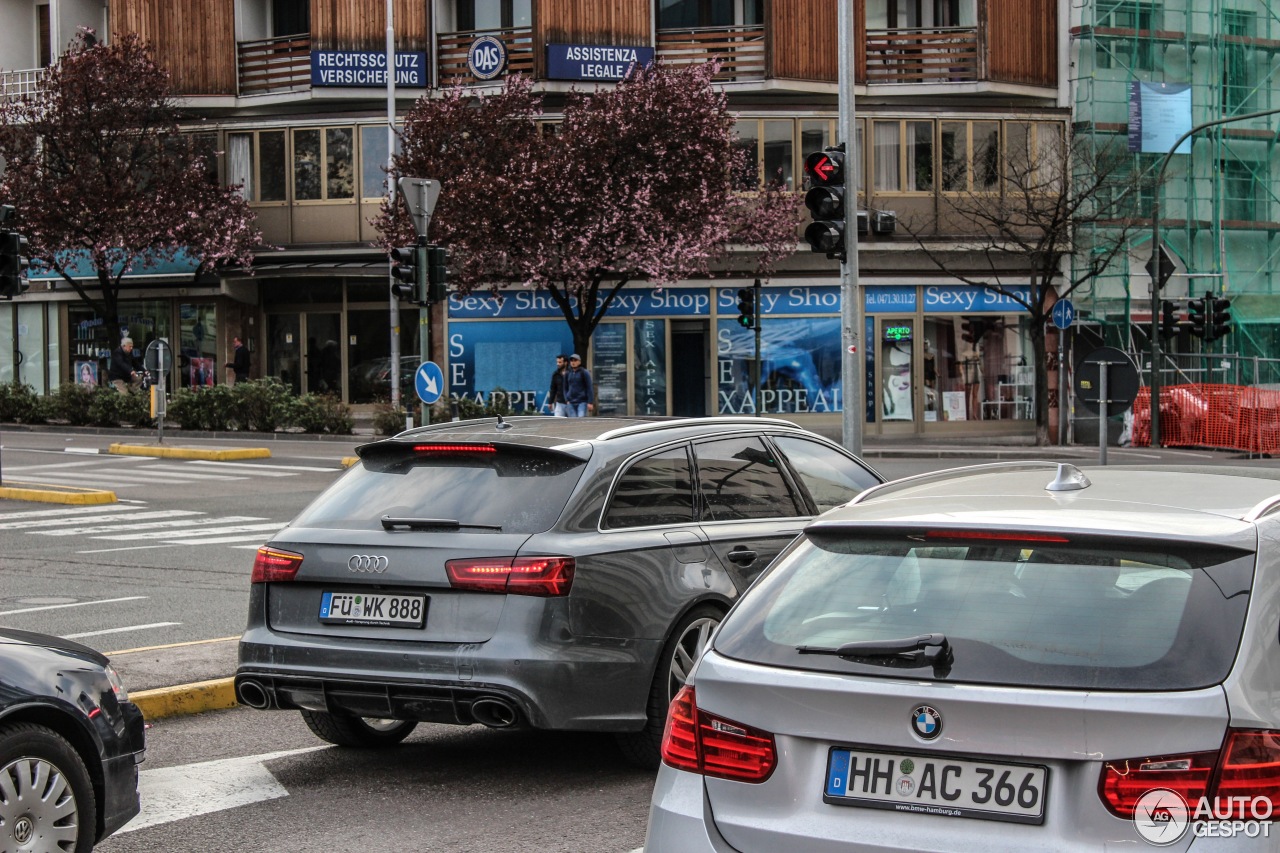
point(348, 461)
point(38, 493)
point(208, 454)
point(215, 695)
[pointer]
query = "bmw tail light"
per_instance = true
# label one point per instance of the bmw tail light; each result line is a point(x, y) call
point(272, 565)
point(540, 576)
point(1246, 767)
point(713, 746)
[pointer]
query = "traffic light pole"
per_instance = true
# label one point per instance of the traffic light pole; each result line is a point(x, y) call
point(755, 364)
point(1155, 249)
point(851, 360)
point(391, 198)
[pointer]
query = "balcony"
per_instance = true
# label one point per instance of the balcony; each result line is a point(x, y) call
point(452, 49)
point(934, 55)
point(274, 65)
point(740, 50)
point(19, 84)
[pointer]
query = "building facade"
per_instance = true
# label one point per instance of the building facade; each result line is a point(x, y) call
point(292, 95)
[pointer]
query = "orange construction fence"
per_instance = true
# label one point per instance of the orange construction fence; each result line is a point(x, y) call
point(1231, 417)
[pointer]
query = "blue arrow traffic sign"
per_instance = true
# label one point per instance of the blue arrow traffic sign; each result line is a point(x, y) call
point(428, 379)
point(1064, 313)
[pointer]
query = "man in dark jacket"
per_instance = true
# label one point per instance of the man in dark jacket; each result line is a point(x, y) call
point(121, 372)
point(555, 398)
point(577, 388)
point(238, 367)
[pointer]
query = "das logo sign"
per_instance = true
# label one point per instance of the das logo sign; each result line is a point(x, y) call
point(487, 57)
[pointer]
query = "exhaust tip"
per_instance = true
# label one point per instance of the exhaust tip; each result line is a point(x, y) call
point(253, 694)
point(495, 713)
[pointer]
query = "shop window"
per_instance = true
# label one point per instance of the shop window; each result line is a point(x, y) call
point(256, 162)
point(978, 368)
point(197, 345)
point(903, 156)
point(323, 164)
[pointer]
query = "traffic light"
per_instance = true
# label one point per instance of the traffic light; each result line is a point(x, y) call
point(1197, 310)
point(410, 273)
point(747, 307)
point(825, 200)
point(1217, 318)
point(975, 329)
point(13, 264)
point(1160, 267)
point(1168, 319)
point(437, 273)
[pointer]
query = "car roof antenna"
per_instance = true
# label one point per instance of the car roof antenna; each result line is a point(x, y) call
point(1069, 479)
point(502, 425)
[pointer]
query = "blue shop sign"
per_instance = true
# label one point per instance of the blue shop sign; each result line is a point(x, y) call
point(511, 304)
point(968, 299)
point(809, 299)
point(367, 68)
point(594, 61)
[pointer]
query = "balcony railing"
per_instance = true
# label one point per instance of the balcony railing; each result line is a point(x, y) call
point(18, 84)
point(740, 50)
point(936, 55)
point(275, 65)
point(452, 49)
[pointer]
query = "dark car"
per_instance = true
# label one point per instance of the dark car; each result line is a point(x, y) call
point(559, 573)
point(70, 745)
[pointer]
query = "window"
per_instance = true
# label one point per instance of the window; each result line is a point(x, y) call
point(44, 37)
point(739, 478)
point(1035, 155)
point(969, 156)
point(290, 17)
point(323, 164)
point(903, 156)
point(256, 161)
point(681, 14)
point(373, 161)
point(1237, 93)
point(1240, 182)
point(831, 478)
point(657, 489)
point(493, 14)
point(1134, 50)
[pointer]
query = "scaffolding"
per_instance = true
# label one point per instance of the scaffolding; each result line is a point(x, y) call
point(1220, 204)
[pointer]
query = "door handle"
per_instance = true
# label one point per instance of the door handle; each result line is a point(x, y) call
point(741, 556)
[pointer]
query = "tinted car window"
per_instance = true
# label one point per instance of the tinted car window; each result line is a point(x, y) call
point(1167, 618)
point(739, 478)
point(657, 489)
point(521, 491)
point(831, 478)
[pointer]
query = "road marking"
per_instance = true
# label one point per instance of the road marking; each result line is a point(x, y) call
point(131, 548)
point(148, 525)
point(173, 645)
point(175, 793)
point(51, 467)
point(120, 630)
point(224, 539)
point(81, 450)
point(46, 513)
point(256, 467)
point(213, 531)
point(76, 604)
point(62, 522)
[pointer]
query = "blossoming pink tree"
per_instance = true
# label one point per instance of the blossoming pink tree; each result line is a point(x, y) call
point(97, 169)
point(639, 182)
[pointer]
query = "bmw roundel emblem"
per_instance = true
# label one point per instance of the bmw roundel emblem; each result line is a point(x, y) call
point(926, 722)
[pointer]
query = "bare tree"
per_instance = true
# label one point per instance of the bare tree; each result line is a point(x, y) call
point(1048, 204)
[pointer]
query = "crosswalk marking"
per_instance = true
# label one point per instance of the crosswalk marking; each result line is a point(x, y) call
point(147, 528)
point(259, 467)
point(221, 540)
point(56, 522)
point(147, 525)
point(173, 534)
point(79, 510)
point(130, 472)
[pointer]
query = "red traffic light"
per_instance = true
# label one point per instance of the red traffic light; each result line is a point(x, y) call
point(825, 168)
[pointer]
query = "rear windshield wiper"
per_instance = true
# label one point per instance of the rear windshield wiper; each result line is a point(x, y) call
point(389, 523)
point(922, 650)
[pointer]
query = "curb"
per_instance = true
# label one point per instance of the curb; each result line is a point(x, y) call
point(348, 461)
point(40, 493)
point(209, 454)
point(216, 695)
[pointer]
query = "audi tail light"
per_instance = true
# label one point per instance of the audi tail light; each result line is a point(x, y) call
point(708, 745)
point(272, 565)
point(1245, 768)
point(540, 576)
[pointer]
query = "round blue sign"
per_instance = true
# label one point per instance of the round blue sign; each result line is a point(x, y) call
point(1064, 313)
point(428, 380)
point(487, 57)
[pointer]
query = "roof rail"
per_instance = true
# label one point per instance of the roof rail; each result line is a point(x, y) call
point(676, 423)
point(1264, 508)
point(951, 474)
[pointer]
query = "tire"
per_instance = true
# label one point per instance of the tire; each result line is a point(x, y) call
point(46, 797)
point(365, 732)
point(687, 640)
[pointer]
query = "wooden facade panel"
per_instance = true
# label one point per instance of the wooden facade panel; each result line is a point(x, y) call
point(803, 35)
point(197, 47)
point(623, 22)
point(362, 25)
point(1022, 41)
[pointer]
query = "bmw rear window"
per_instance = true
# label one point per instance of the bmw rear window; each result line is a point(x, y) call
point(516, 490)
point(1057, 612)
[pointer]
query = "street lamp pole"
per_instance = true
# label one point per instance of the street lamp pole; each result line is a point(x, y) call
point(851, 359)
point(391, 202)
point(1155, 254)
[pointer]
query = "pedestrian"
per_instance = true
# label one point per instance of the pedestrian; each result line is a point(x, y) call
point(555, 399)
point(121, 372)
point(577, 388)
point(238, 367)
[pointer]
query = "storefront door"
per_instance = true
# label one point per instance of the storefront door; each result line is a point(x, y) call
point(898, 399)
point(323, 354)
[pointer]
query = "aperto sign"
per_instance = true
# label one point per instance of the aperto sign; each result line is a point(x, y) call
point(594, 61)
point(897, 333)
point(367, 68)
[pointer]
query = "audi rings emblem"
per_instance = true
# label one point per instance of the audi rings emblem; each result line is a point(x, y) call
point(369, 563)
